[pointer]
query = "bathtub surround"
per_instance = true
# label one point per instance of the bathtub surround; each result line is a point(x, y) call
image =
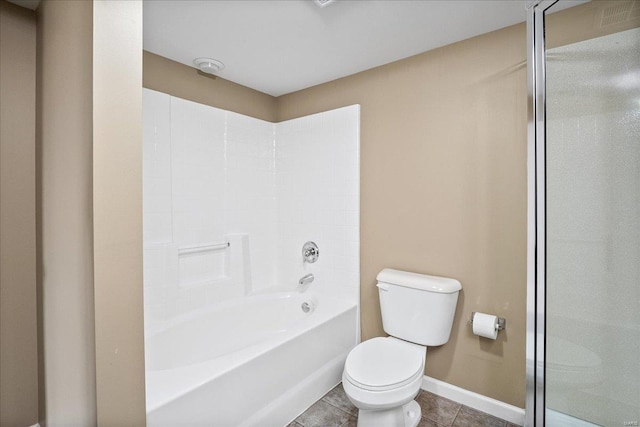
point(213, 177)
point(208, 182)
point(317, 185)
point(229, 200)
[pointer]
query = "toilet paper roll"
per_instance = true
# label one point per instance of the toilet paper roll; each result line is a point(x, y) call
point(485, 325)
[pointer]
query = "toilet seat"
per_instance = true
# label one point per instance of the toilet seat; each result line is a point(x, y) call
point(381, 364)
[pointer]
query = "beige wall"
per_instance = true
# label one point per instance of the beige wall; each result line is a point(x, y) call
point(89, 134)
point(65, 213)
point(596, 18)
point(174, 78)
point(18, 320)
point(117, 208)
point(443, 191)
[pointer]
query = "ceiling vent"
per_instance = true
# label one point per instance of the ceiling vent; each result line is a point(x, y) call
point(635, 11)
point(208, 65)
point(323, 3)
point(618, 13)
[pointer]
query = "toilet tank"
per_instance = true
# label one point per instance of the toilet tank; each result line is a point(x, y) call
point(417, 307)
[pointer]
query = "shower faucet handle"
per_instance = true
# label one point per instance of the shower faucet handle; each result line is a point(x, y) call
point(310, 252)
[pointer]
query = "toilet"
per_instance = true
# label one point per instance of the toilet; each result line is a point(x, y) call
point(382, 376)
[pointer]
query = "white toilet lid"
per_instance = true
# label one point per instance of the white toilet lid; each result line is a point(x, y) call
point(384, 363)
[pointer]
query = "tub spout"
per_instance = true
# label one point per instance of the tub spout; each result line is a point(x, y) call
point(308, 278)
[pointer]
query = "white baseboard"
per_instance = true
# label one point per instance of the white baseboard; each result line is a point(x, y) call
point(494, 407)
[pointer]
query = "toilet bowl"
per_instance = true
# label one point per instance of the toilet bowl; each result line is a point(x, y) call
point(382, 376)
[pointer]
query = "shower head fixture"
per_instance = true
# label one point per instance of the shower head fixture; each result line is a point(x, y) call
point(208, 65)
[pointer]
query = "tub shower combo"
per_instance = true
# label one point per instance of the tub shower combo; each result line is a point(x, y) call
point(236, 294)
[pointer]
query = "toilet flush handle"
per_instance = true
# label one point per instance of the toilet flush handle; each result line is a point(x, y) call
point(383, 287)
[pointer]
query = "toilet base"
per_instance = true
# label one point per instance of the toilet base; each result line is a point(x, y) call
point(402, 416)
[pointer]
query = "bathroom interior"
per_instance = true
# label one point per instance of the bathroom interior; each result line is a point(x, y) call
point(320, 213)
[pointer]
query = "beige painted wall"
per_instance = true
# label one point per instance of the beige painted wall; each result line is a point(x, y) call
point(174, 78)
point(117, 212)
point(594, 19)
point(443, 192)
point(18, 320)
point(65, 275)
point(90, 220)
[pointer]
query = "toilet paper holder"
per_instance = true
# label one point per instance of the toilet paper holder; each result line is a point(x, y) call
point(502, 322)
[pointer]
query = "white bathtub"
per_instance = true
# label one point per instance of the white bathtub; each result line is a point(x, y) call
point(256, 360)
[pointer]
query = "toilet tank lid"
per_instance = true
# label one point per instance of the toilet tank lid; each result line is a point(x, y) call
point(423, 282)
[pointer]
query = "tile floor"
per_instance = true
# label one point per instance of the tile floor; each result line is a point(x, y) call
point(335, 410)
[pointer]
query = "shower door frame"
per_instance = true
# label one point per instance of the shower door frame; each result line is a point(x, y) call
point(536, 213)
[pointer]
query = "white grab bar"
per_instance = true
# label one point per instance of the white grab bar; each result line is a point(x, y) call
point(203, 248)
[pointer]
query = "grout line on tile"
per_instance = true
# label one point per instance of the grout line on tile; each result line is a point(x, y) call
point(347, 422)
point(339, 409)
point(457, 413)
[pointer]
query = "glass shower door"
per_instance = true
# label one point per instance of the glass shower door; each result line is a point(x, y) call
point(592, 209)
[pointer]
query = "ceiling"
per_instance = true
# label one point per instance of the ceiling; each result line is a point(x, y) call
point(281, 46)
point(278, 47)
